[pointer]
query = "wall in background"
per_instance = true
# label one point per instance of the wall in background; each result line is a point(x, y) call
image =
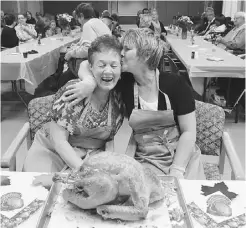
point(16, 7)
point(9, 7)
point(168, 9)
point(55, 7)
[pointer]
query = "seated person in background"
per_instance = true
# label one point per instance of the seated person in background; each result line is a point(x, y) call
point(107, 20)
point(25, 31)
point(9, 38)
point(210, 20)
point(30, 19)
point(74, 21)
point(201, 25)
point(235, 39)
point(217, 28)
point(156, 25)
point(53, 30)
point(88, 127)
point(145, 20)
point(92, 28)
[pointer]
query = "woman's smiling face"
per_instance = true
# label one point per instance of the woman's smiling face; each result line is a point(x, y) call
point(106, 69)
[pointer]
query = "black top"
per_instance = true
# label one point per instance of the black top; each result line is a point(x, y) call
point(174, 86)
point(161, 25)
point(31, 21)
point(9, 38)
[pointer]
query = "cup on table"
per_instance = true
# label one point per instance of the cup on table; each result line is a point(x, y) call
point(25, 54)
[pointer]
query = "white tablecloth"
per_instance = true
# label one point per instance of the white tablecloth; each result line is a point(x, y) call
point(36, 67)
point(200, 68)
point(231, 66)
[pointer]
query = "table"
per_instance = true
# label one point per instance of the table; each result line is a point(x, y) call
point(22, 182)
point(36, 67)
point(192, 193)
point(200, 68)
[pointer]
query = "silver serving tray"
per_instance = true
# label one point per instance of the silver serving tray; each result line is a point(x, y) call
point(56, 188)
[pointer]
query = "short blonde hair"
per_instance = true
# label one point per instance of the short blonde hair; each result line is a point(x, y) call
point(149, 47)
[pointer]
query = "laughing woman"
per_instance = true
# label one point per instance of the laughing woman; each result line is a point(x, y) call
point(89, 125)
point(160, 107)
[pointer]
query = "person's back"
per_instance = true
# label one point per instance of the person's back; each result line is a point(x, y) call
point(98, 26)
point(9, 38)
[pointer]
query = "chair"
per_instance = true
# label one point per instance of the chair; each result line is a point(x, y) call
point(210, 137)
point(175, 67)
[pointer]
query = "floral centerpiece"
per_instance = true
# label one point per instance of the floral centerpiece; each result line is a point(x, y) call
point(184, 22)
point(64, 23)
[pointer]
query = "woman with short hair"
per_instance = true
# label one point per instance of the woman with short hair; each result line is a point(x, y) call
point(9, 38)
point(30, 19)
point(90, 126)
point(156, 25)
point(53, 29)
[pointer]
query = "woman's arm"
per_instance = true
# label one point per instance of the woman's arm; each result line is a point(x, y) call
point(30, 29)
point(237, 43)
point(59, 137)
point(77, 92)
point(186, 143)
point(81, 51)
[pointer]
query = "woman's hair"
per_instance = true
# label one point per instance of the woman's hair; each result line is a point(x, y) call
point(149, 47)
point(9, 19)
point(102, 44)
point(29, 13)
point(145, 9)
point(86, 10)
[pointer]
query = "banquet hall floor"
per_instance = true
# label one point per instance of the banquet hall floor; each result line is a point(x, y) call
point(14, 115)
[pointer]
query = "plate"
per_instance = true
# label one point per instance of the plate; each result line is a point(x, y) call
point(213, 58)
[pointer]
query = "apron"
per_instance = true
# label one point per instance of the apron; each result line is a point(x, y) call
point(42, 156)
point(157, 135)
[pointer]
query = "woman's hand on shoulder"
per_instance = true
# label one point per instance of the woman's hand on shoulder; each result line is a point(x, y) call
point(75, 93)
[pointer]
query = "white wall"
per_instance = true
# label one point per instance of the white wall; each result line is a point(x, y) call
point(130, 8)
point(20, 6)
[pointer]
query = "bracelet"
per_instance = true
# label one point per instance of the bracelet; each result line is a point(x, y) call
point(179, 168)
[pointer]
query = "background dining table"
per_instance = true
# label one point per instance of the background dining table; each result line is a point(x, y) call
point(210, 60)
point(37, 66)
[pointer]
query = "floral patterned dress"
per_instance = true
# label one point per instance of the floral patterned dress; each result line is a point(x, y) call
point(89, 130)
